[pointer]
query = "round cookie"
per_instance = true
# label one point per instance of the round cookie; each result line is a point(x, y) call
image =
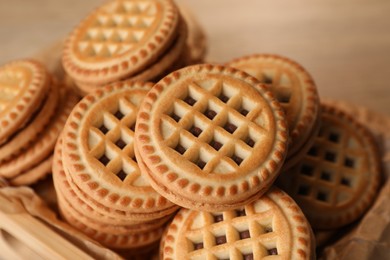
point(99, 152)
point(271, 225)
point(91, 208)
point(210, 137)
point(338, 178)
point(23, 85)
point(120, 39)
point(164, 63)
point(45, 142)
point(293, 87)
point(25, 136)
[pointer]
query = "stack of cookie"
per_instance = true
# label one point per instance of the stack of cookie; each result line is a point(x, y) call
point(332, 168)
point(33, 110)
point(270, 226)
point(338, 178)
point(129, 39)
point(213, 139)
point(295, 90)
point(100, 188)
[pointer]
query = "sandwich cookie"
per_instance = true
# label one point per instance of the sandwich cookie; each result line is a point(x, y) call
point(293, 87)
point(338, 178)
point(40, 150)
point(272, 226)
point(23, 86)
point(210, 137)
point(120, 39)
point(98, 155)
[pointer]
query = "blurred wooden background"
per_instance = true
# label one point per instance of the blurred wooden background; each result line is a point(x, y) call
point(345, 44)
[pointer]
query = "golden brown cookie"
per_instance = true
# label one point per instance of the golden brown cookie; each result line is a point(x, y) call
point(210, 137)
point(45, 142)
point(34, 174)
point(27, 135)
point(165, 63)
point(293, 87)
point(295, 158)
point(81, 200)
point(99, 156)
point(273, 225)
point(117, 241)
point(23, 85)
point(120, 39)
point(338, 178)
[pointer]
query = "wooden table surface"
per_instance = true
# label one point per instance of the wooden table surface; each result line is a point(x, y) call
point(345, 45)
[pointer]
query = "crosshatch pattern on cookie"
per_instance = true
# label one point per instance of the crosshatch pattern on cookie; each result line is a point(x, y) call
point(121, 28)
point(89, 206)
point(247, 229)
point(340, 172)
point(112, 142)
point(106, 118)
point(119, 39)
point(218, 123)
point(221, 120)
point(331, 170)
point(272, 225)
point(293, 88)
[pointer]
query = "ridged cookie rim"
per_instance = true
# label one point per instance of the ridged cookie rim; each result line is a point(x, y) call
point(302, 233)
point(129, 64)
point(312, 99)
point(19, 112)
point(263, 175)
point(79, 172)
point(354, 212)
point(45, 142)
point(27, 135)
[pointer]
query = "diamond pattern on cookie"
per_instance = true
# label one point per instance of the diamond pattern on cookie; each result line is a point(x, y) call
point(210, 132)
point(119, 39)
point(99, 153)
point(119, 29)
point(330, 167)
point(338, 177)
point(112, 143)
point(256, 234)
point(214, 144)
point(271, 225)
point(292, 86)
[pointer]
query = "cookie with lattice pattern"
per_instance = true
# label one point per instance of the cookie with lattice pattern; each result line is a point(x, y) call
point(293, 87)
point(23, 86)
point(99, 151)
point(210, 137)
point(119, 39)
point(273, 225)
point(165, 63)
point(338, 178)
point(104, 215)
